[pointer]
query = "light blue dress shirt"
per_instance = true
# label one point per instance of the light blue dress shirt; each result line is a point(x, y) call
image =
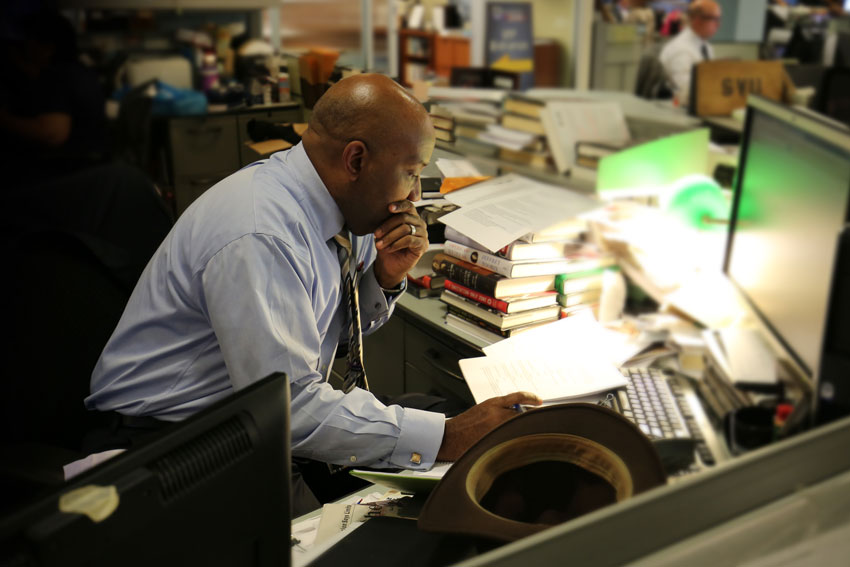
point(247, 284)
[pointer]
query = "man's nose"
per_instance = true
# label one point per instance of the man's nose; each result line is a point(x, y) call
point(416, 193)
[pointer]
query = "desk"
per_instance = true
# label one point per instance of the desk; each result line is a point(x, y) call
point(794, 494)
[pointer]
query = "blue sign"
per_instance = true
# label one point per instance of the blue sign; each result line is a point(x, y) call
point(510, 40)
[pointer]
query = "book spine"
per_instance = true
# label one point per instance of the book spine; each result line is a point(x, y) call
point(474, 295)
point(460, 313)
point(471, 277)
point(485, 259)
point(567, 285)
point(422, 281)
point(573, 299)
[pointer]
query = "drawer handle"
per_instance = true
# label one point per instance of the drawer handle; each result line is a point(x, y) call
point(432, 357)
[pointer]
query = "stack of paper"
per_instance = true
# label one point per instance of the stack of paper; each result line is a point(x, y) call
point(566, 360)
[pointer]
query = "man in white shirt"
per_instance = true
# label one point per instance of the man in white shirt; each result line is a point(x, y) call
point(691, 46)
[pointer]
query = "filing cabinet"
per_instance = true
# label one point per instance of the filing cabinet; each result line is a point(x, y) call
point(205, 149)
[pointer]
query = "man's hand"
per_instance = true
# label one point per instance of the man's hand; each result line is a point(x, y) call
point(464, 430)
point(401, 240)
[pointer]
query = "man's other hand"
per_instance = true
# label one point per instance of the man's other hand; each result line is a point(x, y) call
point(401, 240)
point(464, 430)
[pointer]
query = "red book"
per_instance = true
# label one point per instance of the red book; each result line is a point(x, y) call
point(427, 281)
point(511, 304)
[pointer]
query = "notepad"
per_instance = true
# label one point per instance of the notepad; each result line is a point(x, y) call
point(406, 481)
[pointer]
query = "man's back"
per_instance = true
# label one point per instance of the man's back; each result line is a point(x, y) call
point(164, 358)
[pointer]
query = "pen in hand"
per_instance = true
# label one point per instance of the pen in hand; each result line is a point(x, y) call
point(519, 408)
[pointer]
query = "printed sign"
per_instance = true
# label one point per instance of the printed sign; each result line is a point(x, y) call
point(723, 86)
point(510, 40)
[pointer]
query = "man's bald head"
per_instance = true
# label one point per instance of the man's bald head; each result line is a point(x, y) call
point(369, 107)
point(704, 17)
point(369, 140)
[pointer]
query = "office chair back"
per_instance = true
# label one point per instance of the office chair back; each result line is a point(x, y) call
point(61, 304)
point(833, 98)
point(652, 80)
point(73, 250)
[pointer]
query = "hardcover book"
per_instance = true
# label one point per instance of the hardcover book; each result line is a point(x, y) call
point(510, 304)
point(505, 267)
point(487, 281)
point(497, 318)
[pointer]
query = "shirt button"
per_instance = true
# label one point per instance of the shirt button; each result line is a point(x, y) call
point(352, 458)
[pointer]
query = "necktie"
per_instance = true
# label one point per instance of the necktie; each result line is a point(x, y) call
point(705, 55)
point(355, 375)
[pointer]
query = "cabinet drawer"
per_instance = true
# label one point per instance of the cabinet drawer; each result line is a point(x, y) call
point(425, 382)
point(203, 144)
point(187, 188)
point(432, 366)
point(383, 358)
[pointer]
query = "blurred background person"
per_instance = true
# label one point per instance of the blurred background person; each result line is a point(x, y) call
point(691, 46)
point(52, 107)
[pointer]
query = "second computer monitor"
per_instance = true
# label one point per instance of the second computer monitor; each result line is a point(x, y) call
point(791, 206)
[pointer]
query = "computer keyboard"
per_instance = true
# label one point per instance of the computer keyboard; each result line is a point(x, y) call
point(659, 408)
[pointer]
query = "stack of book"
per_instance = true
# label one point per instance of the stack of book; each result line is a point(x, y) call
point(522, 115)
point(444, 123)
point(422, 281)
point(500, 294)
point(588, 154)
point(581, 289)
point(472, 111)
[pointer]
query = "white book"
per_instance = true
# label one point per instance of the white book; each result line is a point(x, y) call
point(509, 268)
point(567, 123)
point(521, 250)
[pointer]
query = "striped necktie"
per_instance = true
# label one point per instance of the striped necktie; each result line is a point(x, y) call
point(355, 375)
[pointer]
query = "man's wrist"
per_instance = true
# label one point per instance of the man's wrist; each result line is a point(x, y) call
point(394, 290)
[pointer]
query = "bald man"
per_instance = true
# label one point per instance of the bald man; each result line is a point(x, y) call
point(690, 46)
point(248, 283)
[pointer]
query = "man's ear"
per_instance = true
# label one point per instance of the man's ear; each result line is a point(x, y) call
point(354, 157)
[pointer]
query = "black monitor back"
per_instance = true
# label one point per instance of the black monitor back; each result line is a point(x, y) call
point(832, 399)
point(211, 490)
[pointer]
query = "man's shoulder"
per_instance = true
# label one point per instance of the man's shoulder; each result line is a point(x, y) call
point(678, 47)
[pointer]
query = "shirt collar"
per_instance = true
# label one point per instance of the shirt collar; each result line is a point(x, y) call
point(328, 219)
point(693, 38)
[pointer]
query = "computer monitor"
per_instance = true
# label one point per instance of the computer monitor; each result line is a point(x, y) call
point(790, 209)
point(211, 490)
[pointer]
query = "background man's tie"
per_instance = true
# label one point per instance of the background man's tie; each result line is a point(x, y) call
point(355, 375)
point(705, 55)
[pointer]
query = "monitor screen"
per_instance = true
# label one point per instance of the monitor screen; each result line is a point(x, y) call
point(791, 203)
point(211, 490)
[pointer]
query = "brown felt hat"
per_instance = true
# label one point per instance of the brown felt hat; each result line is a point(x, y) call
point(541, 468)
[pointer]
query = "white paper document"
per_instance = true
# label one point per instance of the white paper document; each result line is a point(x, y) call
point(457, 168)
point(553, 378)
point(579, 335)
point(497, 212)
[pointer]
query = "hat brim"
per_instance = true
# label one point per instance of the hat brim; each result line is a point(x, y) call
point(453, 506)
